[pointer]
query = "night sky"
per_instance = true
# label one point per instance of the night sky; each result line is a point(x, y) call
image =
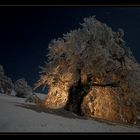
point(25, 32)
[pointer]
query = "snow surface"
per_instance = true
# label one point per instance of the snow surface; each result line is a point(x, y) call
point(16, 117)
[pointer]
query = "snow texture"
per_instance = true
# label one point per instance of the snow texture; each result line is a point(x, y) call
point(16, 117)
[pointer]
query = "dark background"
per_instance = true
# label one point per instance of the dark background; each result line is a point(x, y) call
point(25, 32)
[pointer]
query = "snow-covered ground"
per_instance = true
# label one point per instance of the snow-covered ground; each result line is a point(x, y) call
point(16, 116)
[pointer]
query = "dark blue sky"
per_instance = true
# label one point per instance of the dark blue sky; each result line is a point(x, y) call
point(26, 31)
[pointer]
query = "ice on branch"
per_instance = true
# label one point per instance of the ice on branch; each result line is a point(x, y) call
point(91, 72)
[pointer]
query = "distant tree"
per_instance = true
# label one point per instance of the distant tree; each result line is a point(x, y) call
point(1, 71)
point(90, 71)
point(6, 84)
point(33, 98)
point(22, 88)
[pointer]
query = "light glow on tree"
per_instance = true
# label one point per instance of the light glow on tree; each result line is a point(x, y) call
point(91, 72)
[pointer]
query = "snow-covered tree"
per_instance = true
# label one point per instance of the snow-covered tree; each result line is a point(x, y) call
point(6, 84)
point(33, 98)
point(90, 71)
point(22, 88)
point(1, 70)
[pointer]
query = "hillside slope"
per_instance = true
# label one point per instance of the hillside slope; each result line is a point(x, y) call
point(18, 116)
